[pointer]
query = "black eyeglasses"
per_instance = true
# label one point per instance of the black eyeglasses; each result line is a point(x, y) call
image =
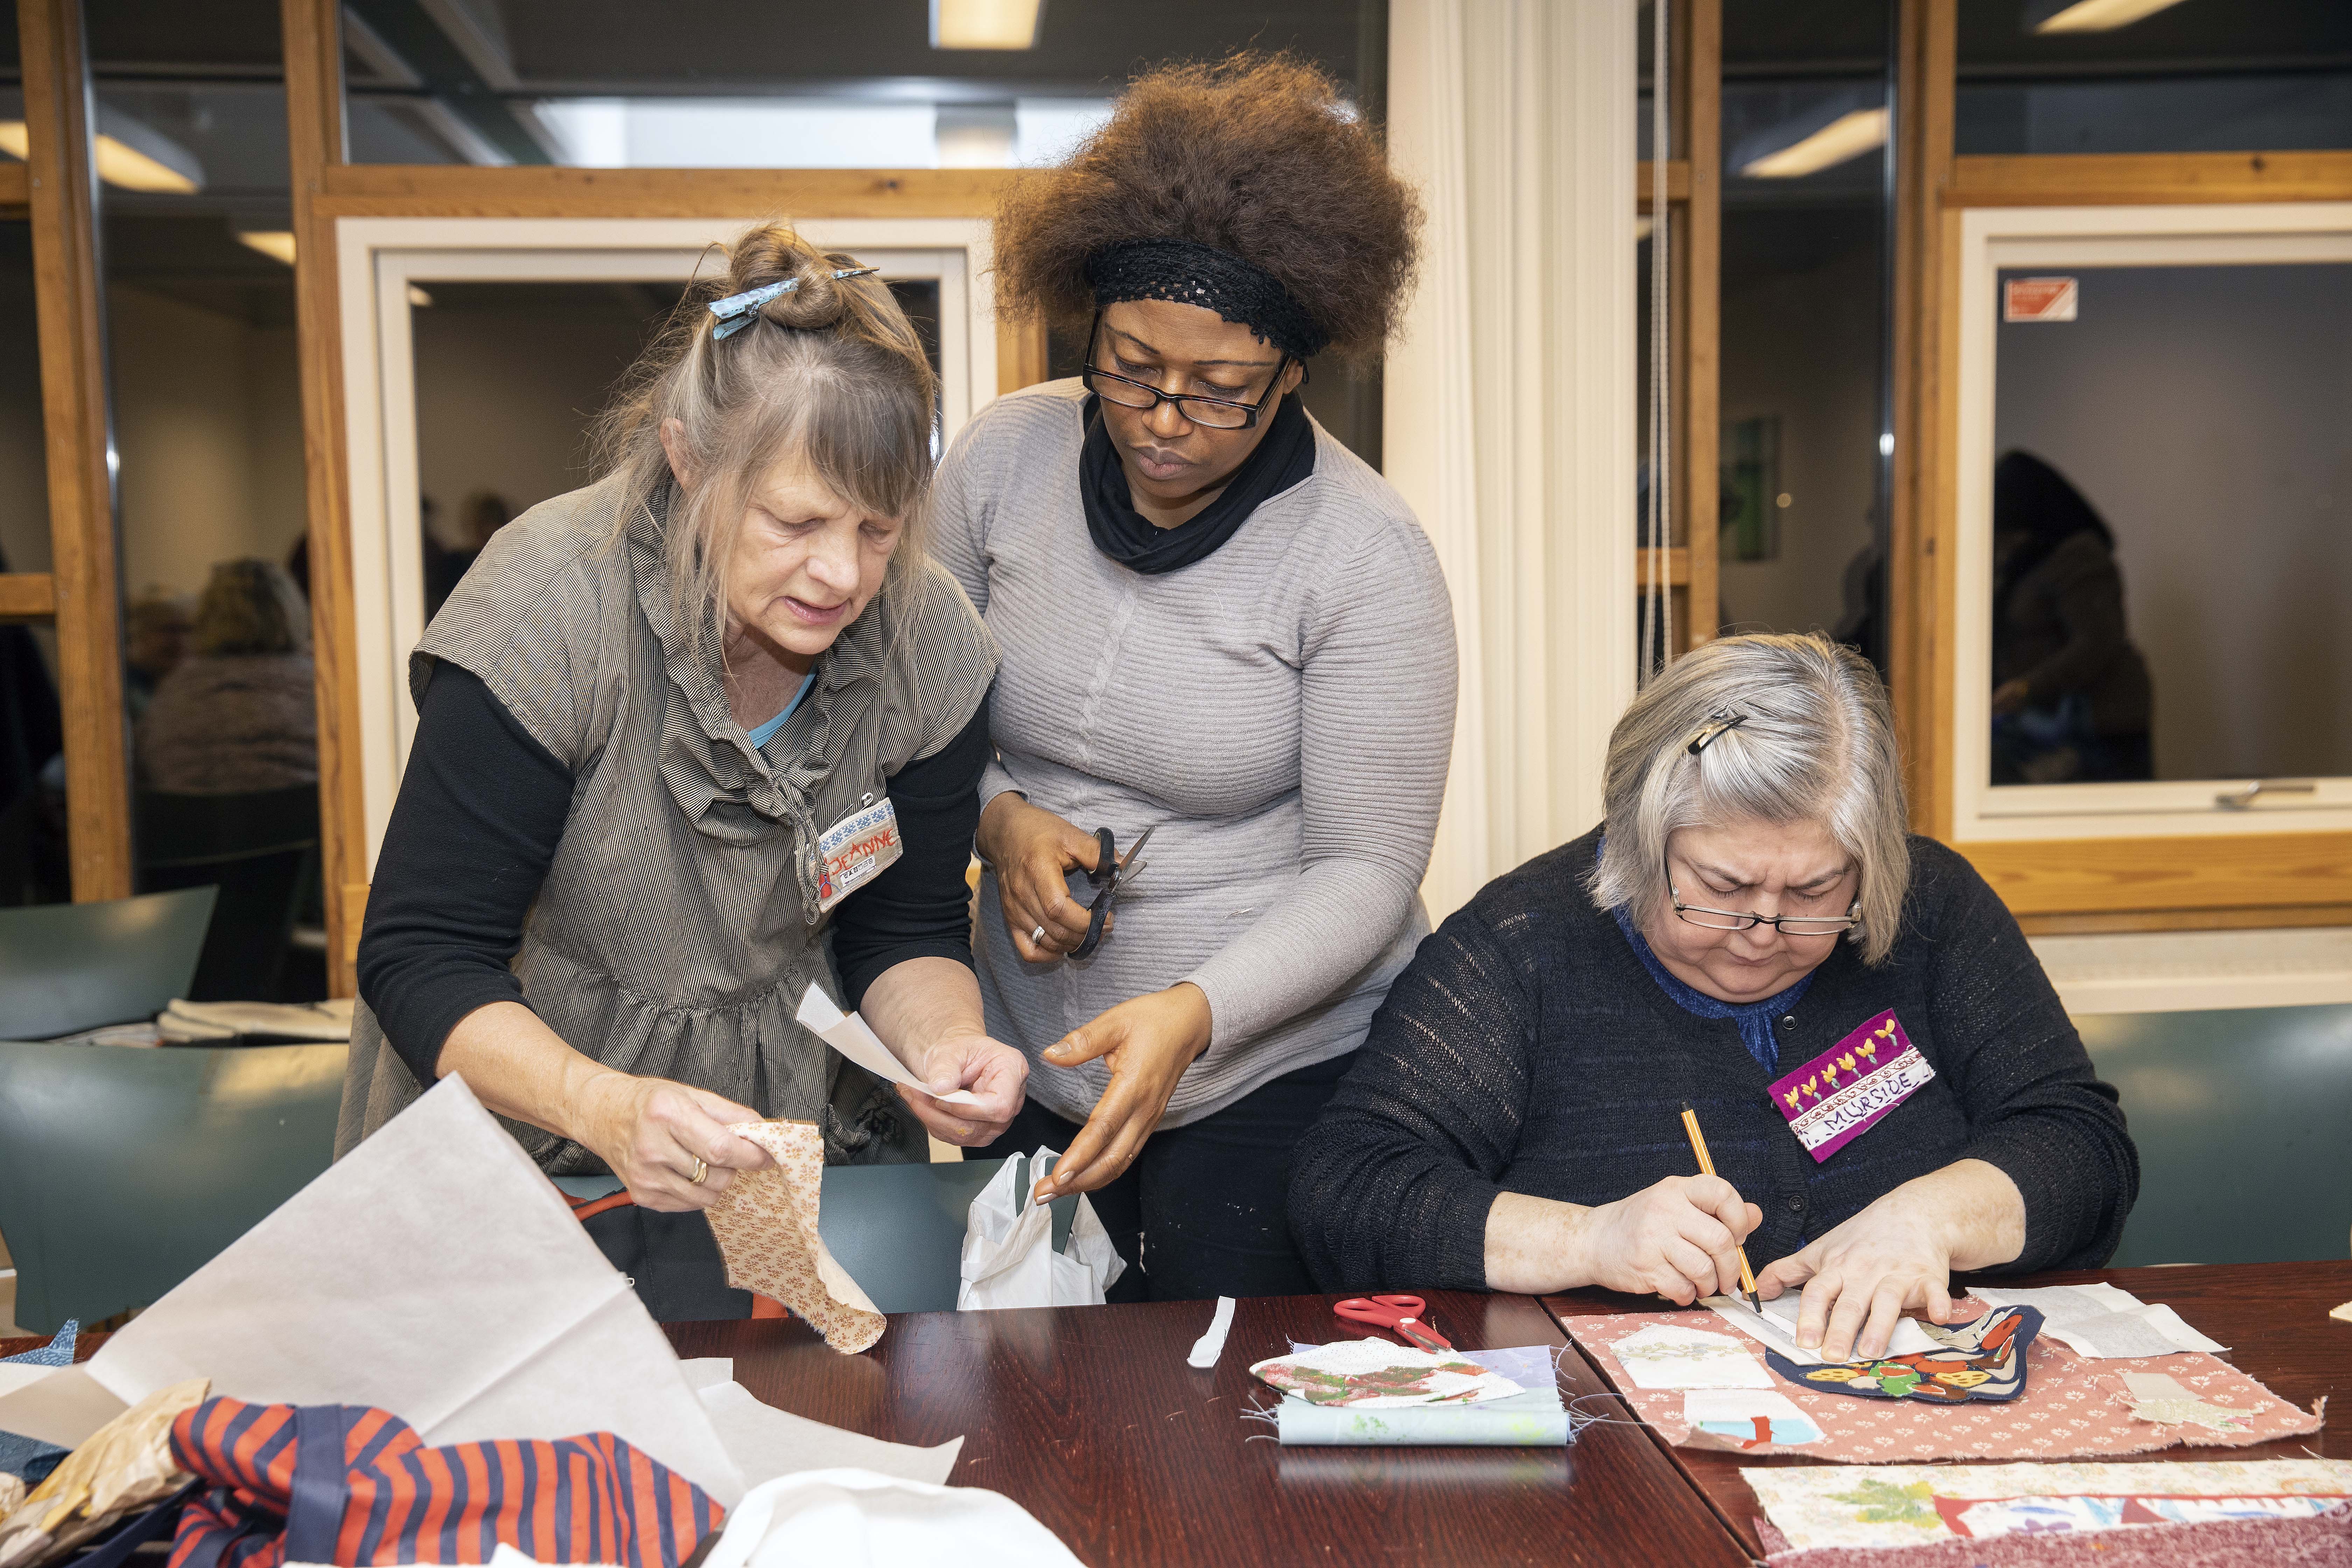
point(1787, 925)
point(1215, 412)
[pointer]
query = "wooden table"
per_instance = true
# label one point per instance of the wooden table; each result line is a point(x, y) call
point(2274, 1316)
point(1090, 1419)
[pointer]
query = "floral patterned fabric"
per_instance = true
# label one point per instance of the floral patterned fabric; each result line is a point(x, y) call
point(766, 1227)
point(2071, 1409)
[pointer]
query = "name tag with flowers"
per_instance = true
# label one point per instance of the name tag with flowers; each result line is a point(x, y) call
point(1842, 1093)
point(856, 850)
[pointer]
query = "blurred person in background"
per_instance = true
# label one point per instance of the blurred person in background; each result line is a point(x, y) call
point(155, 638)
point(2072, 702)
point(237, 715)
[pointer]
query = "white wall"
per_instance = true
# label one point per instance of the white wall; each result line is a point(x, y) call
point(1794, 345)
point(2207, 413)
point(207, 417)
point(504, 399)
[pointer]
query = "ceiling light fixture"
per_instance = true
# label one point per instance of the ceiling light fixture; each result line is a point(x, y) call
point(2089, 15)
point(985, 24)
point(119, 163)
point(277, 243)
point(1849, 136)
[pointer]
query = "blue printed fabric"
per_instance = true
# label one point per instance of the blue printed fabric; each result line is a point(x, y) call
point(29, 1459)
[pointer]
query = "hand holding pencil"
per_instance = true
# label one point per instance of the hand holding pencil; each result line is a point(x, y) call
point(1706, 1168)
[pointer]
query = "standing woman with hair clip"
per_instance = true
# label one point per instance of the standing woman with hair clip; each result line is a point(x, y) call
point(648, 719)
point(1217, 626)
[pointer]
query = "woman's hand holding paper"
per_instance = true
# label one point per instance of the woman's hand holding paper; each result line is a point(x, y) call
point(651, 1132)
point(989, 1069)
point(1899, 1253)
point(1149, 1042)
point(1033, 852)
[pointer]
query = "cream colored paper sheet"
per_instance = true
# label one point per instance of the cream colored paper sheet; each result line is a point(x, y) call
point(847, 1033)
point(433, 1272)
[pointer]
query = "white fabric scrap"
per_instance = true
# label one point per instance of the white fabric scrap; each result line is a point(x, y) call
point(856, 1518)
point(1362, 1358)
point(2101, 1322)
point(1211, 1345)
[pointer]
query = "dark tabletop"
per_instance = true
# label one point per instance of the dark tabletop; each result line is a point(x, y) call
point(2274, 1316)
point(1089, 1418)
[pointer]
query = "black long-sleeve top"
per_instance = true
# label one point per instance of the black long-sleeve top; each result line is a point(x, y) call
point(1527, 1050)
point(481, 809)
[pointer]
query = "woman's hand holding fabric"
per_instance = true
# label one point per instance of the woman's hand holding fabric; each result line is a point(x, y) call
point(1149, 1041)
point(651, 1132)
point(1899, 1253)
point(1678, 1238)
point(1033, 852)
point(995, 1071)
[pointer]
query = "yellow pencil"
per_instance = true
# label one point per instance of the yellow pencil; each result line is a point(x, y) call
point(1706, 1168)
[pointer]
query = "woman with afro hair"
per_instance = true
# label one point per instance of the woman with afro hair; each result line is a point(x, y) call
point(1217, 625)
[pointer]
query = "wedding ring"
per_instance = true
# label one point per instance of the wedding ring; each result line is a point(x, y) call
point(701, 1169)
point(1037, 937)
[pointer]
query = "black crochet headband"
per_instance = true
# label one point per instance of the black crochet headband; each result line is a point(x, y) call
point(1195, 274)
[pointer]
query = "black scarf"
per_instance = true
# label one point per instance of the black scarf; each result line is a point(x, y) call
point(1284, 457)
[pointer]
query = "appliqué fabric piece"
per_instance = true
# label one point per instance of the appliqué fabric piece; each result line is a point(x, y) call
point(2156, 1397)
point(1843, 1092)
point(2071, 1408)
point(1906, 1505)
point(1376, 1374)
point(1661, 1357)
point(1748, 1419)
point(1983, 1360)
point(766, 1223)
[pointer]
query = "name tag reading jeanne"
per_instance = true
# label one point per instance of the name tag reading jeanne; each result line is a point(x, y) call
point(856, 850)
point(1842, 1093)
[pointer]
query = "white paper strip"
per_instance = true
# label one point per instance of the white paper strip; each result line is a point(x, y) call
point(1776, 1328)
point(1211, 1345)
point(847, 1033)
point(2104, 1322)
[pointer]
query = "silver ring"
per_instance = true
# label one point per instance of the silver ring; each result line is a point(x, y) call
point(1037, 937)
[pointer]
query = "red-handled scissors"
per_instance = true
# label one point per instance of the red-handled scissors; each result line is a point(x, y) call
point(1399, 1314)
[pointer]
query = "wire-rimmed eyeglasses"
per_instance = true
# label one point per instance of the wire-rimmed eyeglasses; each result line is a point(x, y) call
point(1213, 413)
point(1787, 925)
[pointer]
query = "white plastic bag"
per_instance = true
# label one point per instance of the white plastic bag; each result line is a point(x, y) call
point(1008, 1253)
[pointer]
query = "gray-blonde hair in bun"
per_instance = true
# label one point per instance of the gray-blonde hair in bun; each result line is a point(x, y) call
point(1815, 743)
point(831, 371)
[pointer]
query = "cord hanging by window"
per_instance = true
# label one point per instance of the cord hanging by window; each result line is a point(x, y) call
point(1654, 620)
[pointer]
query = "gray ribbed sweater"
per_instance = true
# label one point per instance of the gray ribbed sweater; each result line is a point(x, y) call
point(1283, 711)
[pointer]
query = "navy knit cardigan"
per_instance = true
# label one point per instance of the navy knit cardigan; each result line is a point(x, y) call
point(1527, 1050)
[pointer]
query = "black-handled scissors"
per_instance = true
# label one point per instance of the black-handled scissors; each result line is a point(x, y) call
point(1110, 874)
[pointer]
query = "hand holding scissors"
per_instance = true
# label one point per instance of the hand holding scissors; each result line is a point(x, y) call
point(1402, 1315)
point(1112, 871)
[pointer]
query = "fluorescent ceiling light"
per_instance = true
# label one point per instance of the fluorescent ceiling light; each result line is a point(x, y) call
point(2090, 16)
point(119, 164)
point(985, 24)
point(1849, 135)
point(277, 243)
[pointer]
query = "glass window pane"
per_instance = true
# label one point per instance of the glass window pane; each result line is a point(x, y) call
point(607, 83)
point(2193, 76)
point(1804, 326)
point(32, 865)
point(2172, 522)
point(197, 250)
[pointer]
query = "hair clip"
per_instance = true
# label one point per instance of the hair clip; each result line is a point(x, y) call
point(739, 310)
point(1717, 725)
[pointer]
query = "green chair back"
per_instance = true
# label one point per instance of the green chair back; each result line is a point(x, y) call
point(123, 1170)
point(898, 1230)
point(261, 850)
point(68, 967)
point(2243, 1121)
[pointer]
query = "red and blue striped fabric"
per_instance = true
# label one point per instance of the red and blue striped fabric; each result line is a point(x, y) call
point(344, 1484)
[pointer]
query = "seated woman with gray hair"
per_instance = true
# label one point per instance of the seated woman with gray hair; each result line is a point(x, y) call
point(1888, 1085)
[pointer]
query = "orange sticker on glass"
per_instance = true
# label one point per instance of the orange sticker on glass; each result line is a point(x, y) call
point(2039, 298)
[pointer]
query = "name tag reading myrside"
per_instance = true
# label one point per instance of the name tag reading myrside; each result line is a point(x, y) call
point(856, 850)
point(1842, 1093)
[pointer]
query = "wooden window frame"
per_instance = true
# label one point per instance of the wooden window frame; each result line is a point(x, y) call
point(56, 189)
point(328, 188)
point(1694, 195)
point(2215, 881)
